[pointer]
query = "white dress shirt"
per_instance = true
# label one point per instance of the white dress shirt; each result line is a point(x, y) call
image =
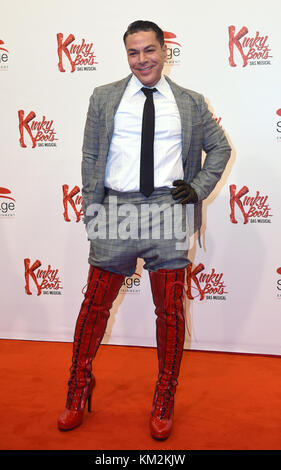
point(123, 163)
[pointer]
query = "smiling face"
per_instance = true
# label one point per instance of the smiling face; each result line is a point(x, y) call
point(146, 56)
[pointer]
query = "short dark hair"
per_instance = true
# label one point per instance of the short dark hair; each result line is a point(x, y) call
point(141, 25)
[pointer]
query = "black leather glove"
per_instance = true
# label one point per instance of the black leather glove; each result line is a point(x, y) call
point(185, 191)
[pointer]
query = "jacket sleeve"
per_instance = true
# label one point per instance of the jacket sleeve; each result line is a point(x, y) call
point(90, 150)
point(217, 150)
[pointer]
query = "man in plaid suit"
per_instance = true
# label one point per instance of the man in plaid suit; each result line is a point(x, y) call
point(111, 168)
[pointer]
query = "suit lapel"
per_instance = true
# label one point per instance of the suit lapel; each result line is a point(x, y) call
point(183, 102)
point(112, 104)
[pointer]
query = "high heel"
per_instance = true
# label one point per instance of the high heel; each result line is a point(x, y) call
point(92, 385)
point(71, 419)
point(89, 403)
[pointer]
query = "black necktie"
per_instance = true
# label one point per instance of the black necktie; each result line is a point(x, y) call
point(147, 144)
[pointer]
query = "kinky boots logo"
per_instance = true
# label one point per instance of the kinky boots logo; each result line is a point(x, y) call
point(173, 48)
point(253, 49)
point(73, 199)
point(213, 286)
point(39, 133)
point(217, 119)
point(4, 56)
point(78, 56)
point(205, 285)
point(46, 281)
point(254, 208)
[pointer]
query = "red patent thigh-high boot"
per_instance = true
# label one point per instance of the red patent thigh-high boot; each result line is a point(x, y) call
point(167, 290)
point(103, 287)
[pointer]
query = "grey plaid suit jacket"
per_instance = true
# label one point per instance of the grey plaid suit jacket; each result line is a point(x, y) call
point(199, 132)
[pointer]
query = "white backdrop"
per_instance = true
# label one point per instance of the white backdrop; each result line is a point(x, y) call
point(241, 274)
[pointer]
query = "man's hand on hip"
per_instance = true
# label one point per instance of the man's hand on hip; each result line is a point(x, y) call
point(184, 192)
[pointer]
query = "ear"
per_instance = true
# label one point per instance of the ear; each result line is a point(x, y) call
point(164, 49)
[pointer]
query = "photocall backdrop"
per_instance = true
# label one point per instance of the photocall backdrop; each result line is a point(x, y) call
point(52, 55)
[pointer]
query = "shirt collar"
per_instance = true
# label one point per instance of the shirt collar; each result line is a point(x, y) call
point(135, 85)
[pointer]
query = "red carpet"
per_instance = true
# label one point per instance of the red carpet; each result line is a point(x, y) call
point(224, 401)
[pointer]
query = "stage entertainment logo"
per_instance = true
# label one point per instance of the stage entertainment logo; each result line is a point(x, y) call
point(253, 49)
point(205, 285)
point(7, 203)
point(75, 200)
point(78, 56)
point(173, 48)
point(278, 283)
point(253, 208)
point(278, 125)
point(4, 57)
point(41, 133)
point(131, 284)
point(45, 281)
